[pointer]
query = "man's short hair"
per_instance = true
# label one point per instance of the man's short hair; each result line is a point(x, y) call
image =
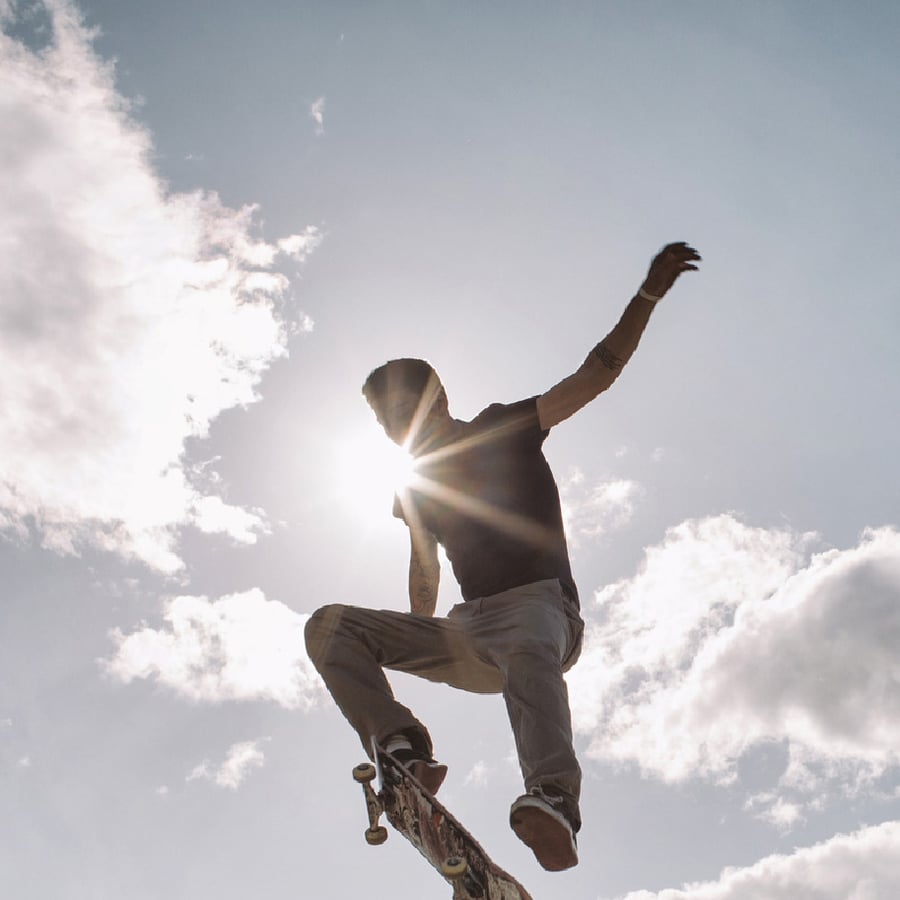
point(409, 374)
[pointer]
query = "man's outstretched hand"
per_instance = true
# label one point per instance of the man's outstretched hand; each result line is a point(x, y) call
point(667, 265)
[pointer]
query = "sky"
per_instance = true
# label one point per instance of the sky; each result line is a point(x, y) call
point(216, 219)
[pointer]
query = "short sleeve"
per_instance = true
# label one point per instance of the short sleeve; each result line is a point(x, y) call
point(518, 422)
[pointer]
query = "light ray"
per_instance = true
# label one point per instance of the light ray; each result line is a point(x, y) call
point(427, 400)
point(514, 524)
point(470, 442)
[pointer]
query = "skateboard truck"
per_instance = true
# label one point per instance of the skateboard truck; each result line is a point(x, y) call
point(453, 868)
point(427, 824)
point(364, 774)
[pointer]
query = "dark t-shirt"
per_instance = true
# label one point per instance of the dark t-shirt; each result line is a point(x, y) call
point(490, 499)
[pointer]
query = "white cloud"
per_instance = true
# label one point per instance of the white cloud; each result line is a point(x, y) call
point(860, 866)
point(299, 246)
point(130, 317)
point(478, 775)
point(317, 114)
point(240, 760)
point(774, 809)
point(594, 509)
point(240, 647)
point(212, 515)
point(730, 637)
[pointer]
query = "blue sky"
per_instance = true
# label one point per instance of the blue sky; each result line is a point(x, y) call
point(217, 220)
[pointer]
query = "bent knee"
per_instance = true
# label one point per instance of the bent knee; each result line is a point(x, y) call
point(320, 627)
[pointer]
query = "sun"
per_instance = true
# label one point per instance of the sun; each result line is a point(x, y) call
point(369, 470)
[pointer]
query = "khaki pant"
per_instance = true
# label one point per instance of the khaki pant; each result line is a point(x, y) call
point(517, 643)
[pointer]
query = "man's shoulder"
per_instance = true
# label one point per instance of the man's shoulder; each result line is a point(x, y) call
point(521, 410)
point(508, 420)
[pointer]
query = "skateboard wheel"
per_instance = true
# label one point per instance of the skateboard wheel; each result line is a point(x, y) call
point(454, 867)
point(377, 835)
point(364, 773)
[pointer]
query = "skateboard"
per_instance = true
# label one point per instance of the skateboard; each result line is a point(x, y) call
point(432, 830)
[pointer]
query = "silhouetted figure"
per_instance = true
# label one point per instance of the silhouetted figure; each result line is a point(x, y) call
point(484, 491)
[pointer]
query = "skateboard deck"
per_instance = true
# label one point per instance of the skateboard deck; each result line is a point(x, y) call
point(421, 818)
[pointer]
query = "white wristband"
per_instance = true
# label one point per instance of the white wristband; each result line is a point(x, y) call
point(650, 297)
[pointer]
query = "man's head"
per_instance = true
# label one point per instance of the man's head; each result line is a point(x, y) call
point(406, 395)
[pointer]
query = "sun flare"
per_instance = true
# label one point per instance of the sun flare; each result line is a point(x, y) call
point(370, 469)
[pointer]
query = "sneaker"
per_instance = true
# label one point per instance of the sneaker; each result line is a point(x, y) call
point(540, 821)
point(428, 772)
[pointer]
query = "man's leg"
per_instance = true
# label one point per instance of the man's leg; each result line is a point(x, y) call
point(537, 702)
point(350, 647)
point(531, 634)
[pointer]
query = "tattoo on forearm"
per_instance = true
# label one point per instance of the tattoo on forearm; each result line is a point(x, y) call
point(423, 603)
point(422, 591)
point(423, 600)
point(608, 358)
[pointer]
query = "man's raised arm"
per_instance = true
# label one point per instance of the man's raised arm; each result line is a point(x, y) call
point(606, 360)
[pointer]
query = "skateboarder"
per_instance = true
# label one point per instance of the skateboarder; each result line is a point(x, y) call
point(485, 492)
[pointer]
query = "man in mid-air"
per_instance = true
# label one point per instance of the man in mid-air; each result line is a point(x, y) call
point(484, 491)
